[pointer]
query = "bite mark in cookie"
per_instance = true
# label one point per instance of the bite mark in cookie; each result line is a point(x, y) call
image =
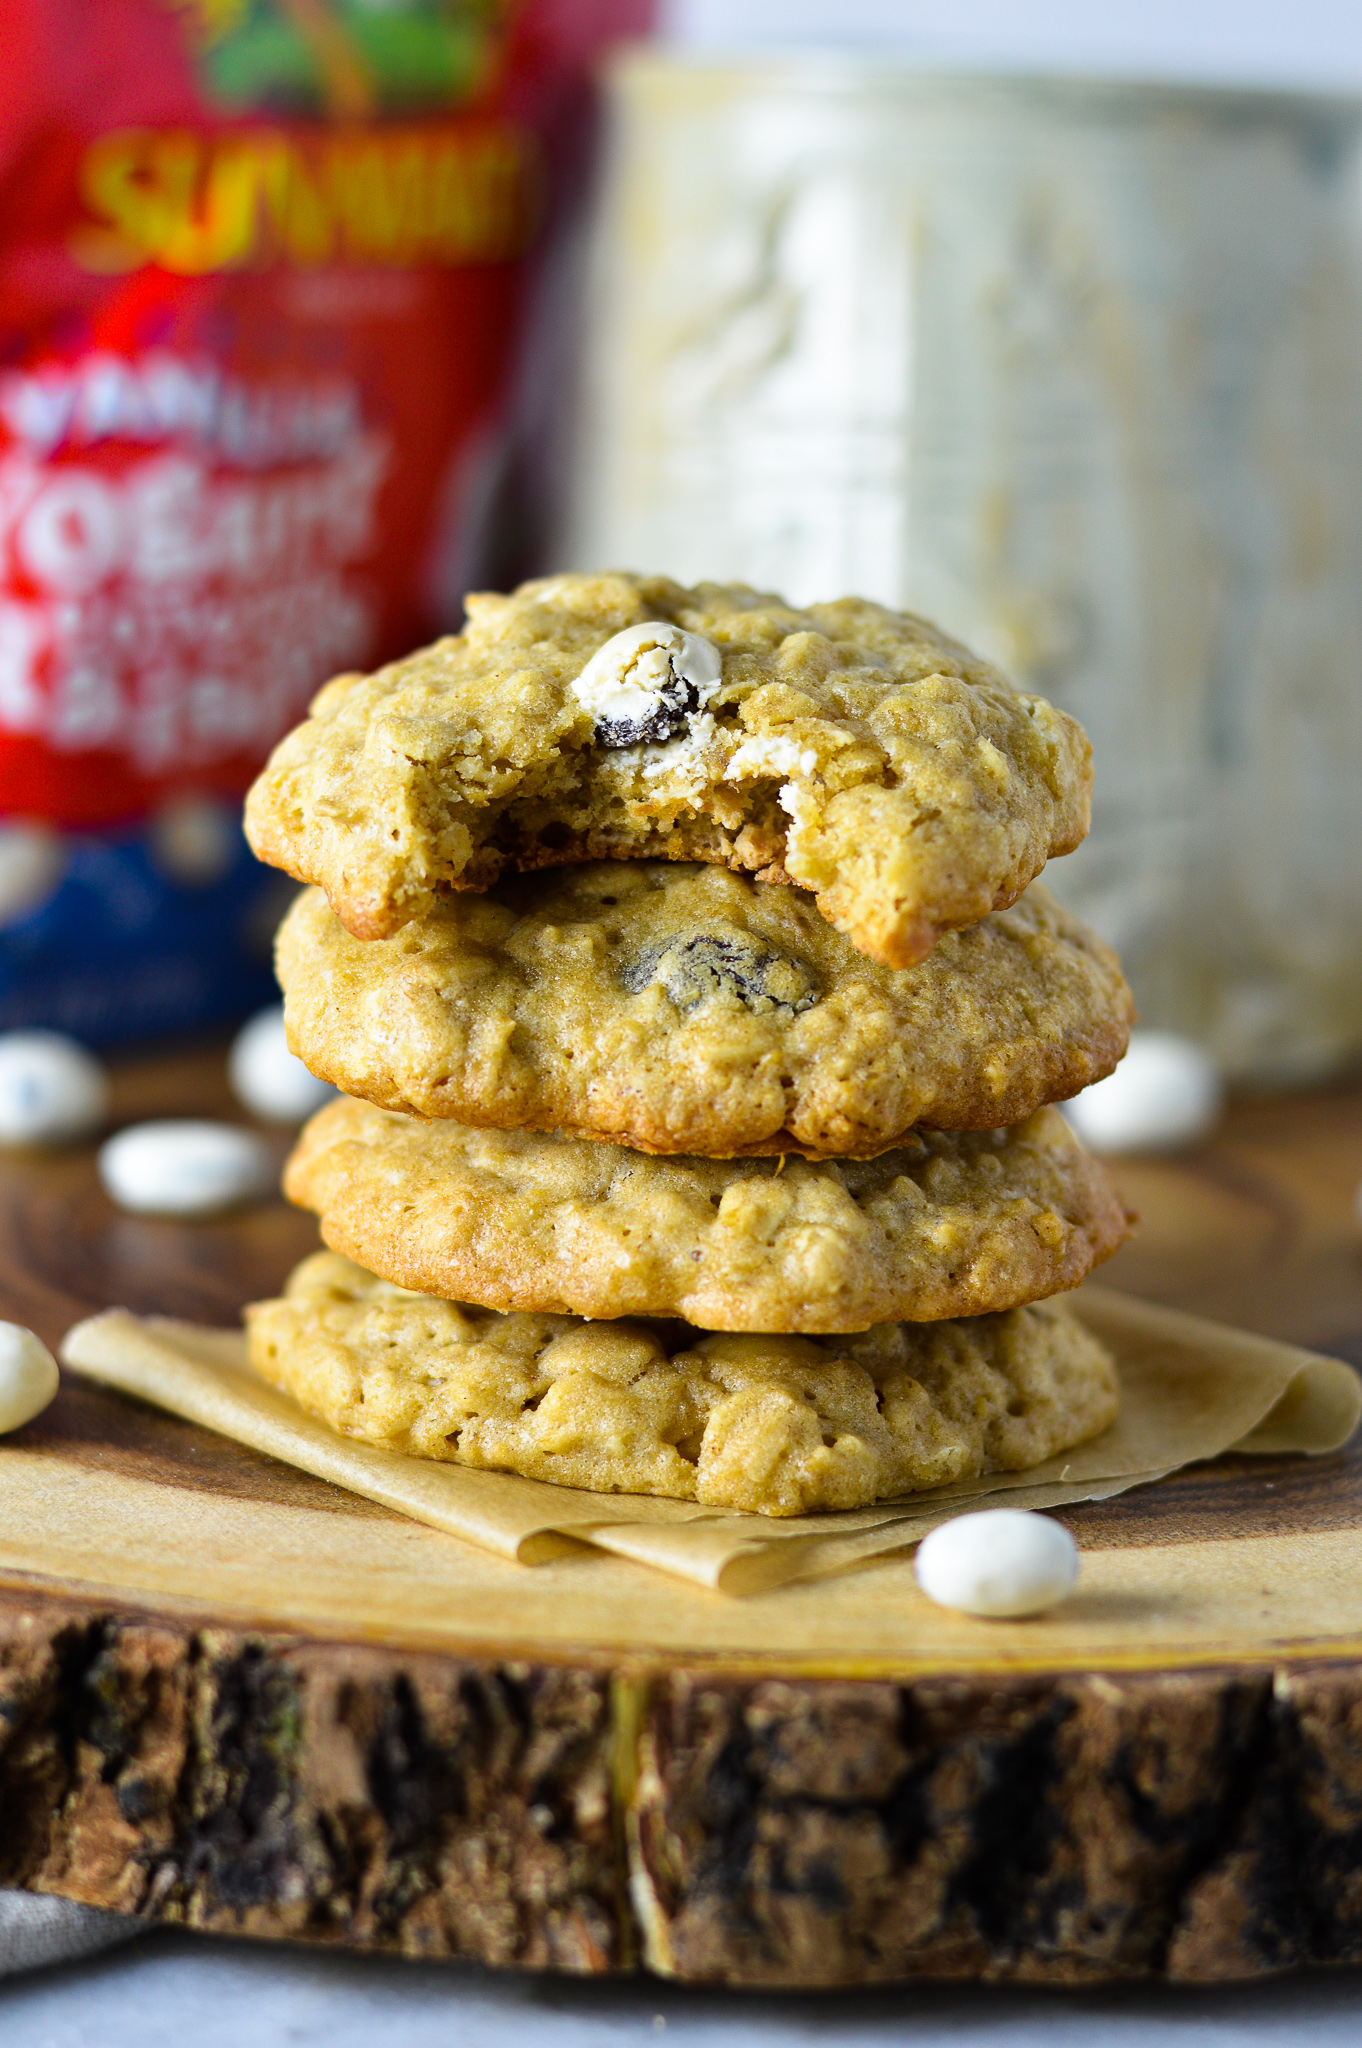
point(853, 750)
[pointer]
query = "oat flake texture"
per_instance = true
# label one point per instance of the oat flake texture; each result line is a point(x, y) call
point(681, 1008)
point(948, 1224)
point(851, 749)
point(774, 1425)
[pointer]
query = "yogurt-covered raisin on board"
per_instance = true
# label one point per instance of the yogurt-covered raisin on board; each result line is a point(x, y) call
point(681, 1008)
point(950, 1224)
point(773, 1425)
point(851, 749)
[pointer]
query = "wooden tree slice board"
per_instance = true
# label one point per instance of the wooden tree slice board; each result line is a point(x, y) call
point(235, 1696)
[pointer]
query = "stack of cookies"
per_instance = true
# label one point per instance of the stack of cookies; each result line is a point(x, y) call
point(696, 1024)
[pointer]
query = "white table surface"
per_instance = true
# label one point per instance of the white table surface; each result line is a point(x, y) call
point(195, 1992)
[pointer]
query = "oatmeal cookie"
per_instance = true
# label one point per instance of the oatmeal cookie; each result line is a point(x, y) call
point(775, 1425)
point(848, 748)
point(686, 1009)
point(948, 1224)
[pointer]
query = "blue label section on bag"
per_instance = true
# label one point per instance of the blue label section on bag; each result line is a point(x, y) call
point(163, 927)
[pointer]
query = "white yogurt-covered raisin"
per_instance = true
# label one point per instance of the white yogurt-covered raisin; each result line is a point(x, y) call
point(28, 1376)
point(185, 1167)
point(52, 1090)
point(269, 1080)
point(1000, 1563)
point(646, 683)
point(1166, 1092)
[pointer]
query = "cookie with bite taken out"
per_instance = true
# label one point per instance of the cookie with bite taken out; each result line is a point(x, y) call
point(854, 750)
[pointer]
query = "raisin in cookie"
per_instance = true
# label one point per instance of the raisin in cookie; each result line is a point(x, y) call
point(953, 1223)
point(686, 1009)
point(851, 749)
point(776, 1425)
